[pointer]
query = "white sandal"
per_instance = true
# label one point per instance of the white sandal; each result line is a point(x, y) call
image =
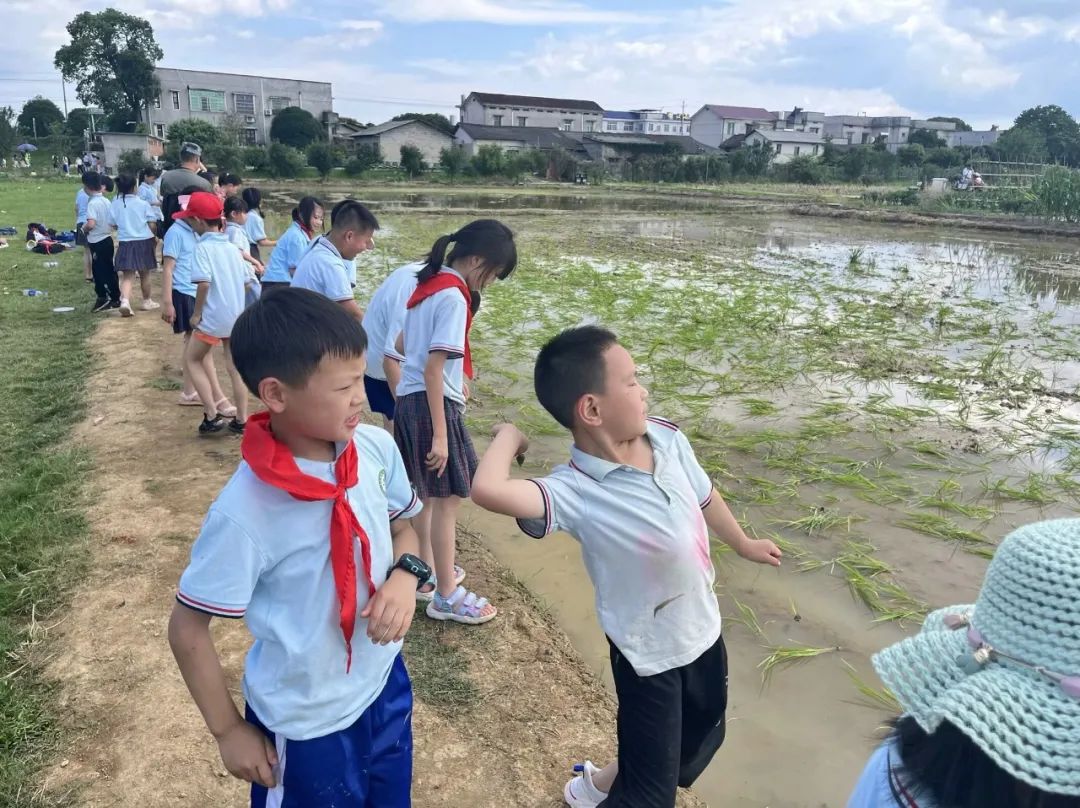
point(425, 597)
point(461, 607)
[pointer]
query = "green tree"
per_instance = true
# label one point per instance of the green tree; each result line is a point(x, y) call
point(961, 124)
point(131, 162)
point(830, 154)
point(321, 157)
point(1057, 127)
point(8, 136)
point(225, 157)
point(256, 157)
point(914, 154)
point(412, 160)
point(110, 59)
point(804, 170)
point(40, 117)
point(78, 121)
point(854, 163)
point(193, 130)
point(365, 159)
point(284, 161)
point(927, 138)
point(453, 160)
point(434, 119)
point(295, 127)
point(751, 161)
point(1021, 144)
point(488, 160)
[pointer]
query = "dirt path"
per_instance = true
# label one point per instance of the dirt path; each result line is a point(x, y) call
point(135, 737)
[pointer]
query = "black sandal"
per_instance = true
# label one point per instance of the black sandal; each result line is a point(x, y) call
point(208, 427)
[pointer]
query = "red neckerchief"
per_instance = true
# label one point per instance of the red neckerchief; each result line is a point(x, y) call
point(275, 465)
point(436, 284)
point(306, 231)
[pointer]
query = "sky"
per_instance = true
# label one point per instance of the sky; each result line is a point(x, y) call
point(981, 60)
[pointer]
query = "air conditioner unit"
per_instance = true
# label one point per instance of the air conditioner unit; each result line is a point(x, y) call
point(249, 119)
point(268, 112)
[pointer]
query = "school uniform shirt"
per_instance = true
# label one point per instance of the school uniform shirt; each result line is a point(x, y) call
point(82, 199)
point(255, 227)
point(131, 214)
point(179, 244)
point(218, 263)
point(384, 317)
point(264, 556)
point(237, 236)
point(322, 270)
point(148, 194)
point(437, 324)
point(289, 250)
point(645, 545)
point(880, 786)
point(98, 209)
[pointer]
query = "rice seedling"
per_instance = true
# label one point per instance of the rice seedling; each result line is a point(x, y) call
point(1036, 490)
point(747, 618)
point(945, 499)
point(855, 256)
point(878, 698)
point(820, 520)
point(759, 407)
point(941, 528)
point(781, 656)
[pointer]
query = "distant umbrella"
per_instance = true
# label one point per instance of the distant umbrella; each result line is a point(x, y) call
point(26, 147)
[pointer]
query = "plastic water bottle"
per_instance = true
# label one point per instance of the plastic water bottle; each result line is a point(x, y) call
point(52, 263)
point(34, 293)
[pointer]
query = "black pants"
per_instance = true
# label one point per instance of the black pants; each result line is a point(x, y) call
point(670, 726)
point(101, 263)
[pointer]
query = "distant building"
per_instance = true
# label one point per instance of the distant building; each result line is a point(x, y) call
point(614, 149)
point(855, 130)
point(113, 144)
point(471, 136)
point(526, 111)
point(715, 123)
point(785, 144)
point(646, 122)
point(251, 101)
point(389, 137)
point(800, 120)
point(974, 140)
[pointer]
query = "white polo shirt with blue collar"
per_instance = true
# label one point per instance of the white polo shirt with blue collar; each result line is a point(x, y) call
point(179, 245)
point(645, 545)
point(384, 317)
point(436, 324)
point(264, 556)
point(322, 270)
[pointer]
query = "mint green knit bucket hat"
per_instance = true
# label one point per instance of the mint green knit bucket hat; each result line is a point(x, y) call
point(1006, 670)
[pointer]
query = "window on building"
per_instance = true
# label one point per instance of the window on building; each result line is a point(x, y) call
point(206, 100)
point(250, 137)
point(815, 149)
point(628, 126)
point(521, 120)
point(159, 130)
point(667, 127)
point(798, 150)
point(567, 125)
point(611, 126)
point(175, 95)
point(278, 103)
point(779, 148)
point(730, 129)
point(815, 130)
point(157, 102)
point(496, 120)
point(243, 103)
point(590, 126)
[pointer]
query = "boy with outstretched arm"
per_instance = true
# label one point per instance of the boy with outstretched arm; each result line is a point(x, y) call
point(311, 543)
point(635, 497)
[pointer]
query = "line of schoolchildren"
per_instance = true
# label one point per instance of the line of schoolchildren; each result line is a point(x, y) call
point(330, 531)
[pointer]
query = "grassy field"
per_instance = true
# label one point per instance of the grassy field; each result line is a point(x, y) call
point(47, 357)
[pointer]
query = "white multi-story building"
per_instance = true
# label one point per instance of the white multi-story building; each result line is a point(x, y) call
point(855, 130)
point(715, 123)
point(646, 122)
point(526, 111)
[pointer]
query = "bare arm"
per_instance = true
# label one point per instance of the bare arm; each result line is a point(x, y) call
point(89, 225)
point(266, 242)
point(392, 369)
point(433, 385)
point(390, 611)
point(202, 290)
point(246, 752)
point(351, 306)
point(722, 522)
point(492, 487)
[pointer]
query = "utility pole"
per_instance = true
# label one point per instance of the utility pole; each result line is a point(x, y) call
point(63, 89)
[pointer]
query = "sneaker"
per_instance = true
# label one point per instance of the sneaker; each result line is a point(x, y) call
point(125, 308)
point(113, 304)
point(580, 792)
point(237, 427)
point(101, 304)
point(150, 305)
point(212, 427)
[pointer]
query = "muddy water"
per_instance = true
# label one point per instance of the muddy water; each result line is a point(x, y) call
point(801, 739)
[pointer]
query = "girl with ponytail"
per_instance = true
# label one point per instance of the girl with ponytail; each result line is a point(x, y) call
point(307, 223)
point(429, 423)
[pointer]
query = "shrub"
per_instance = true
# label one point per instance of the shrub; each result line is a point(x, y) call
point(412, 160)
point(453, 160)
point(225, 158)
point(295, 127)
point(257, 158)
point(365, 159)
point(131, 162)
point(284, 161)
point(1058, 193)
point(321, 157)
point(488, 160)
point(804, 170)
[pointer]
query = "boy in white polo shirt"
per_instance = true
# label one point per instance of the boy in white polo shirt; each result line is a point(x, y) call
point(324, 268)
point(636, 498)
point(311, 543)
point(384, 320)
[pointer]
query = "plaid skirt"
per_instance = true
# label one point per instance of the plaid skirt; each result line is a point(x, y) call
point(412, 431)
point(134, 256)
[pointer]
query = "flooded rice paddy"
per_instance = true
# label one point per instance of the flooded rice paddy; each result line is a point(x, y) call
point(885, 402)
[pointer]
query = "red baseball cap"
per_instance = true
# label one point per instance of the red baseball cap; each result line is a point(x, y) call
point(201, 205)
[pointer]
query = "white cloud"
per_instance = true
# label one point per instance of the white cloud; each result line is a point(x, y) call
point(522, 12)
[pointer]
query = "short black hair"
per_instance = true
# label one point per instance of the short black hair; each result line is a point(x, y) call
point(348, 214)
point(569, 366)
point(92, 180)
point(253, 197)
point(107, 183)
point(209, 176)
point(287, 332)
point(228, 178)
point(234, 204)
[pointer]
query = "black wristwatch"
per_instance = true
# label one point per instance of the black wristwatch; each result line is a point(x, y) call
point(414, 566)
